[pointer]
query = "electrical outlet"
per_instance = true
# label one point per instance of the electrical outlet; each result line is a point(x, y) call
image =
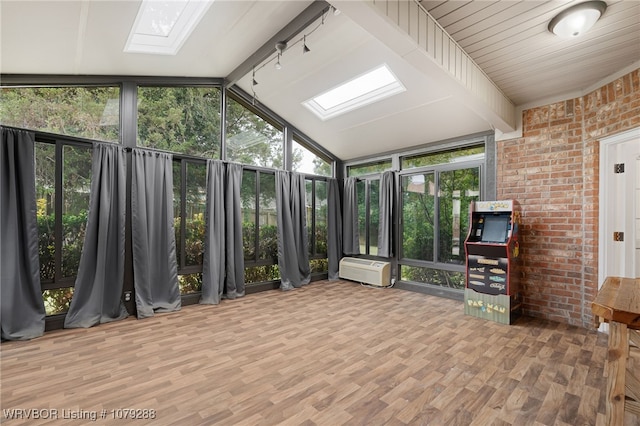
point(127, 296)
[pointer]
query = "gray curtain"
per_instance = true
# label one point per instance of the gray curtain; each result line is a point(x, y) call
point(234, 283)
point(334, 229)
point(293, 245)
point(155, 266)
point(97, 297)
point(213, 266)
point(385, 224)
point(350, 234)
point(22, 307)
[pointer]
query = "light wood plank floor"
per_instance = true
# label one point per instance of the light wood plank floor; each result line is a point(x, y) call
point(331, 353)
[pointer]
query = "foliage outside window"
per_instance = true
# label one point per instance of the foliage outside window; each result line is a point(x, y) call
point(438, 277)
point(435, 221)
point(259, 226)
point(189, 202)
point(305, 161)
point(317, 213)
point(369, 168)
point(180, 119)
point(368, 192)
point(88, 112)
point(252, 140)
point(61, 205)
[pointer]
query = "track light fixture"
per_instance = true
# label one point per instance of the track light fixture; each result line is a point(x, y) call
point(305, 48)
point(253, 78)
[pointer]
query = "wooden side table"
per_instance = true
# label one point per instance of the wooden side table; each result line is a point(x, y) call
point(618, 303)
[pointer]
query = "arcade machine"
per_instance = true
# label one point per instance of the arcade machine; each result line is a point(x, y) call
point(493, 261)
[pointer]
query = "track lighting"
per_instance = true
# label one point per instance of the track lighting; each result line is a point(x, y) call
point(278, 66)
point(253, 78)
point(305, 48)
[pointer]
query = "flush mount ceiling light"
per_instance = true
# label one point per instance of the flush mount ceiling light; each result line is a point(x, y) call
point(370, 87)
point(578, 19)
point(162, 27)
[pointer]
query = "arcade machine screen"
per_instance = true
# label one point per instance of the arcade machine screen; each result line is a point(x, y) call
point(495, 229)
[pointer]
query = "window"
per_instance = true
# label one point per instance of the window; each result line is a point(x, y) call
point(63, 183)
point(88, 112)
point(185, 120)
point(251, 139)
point(189, 202)
point(435, 220)
point(451, 156)
point(305, 161)
point(259, 226)
point(316, 209)
point(368, 192)
point(372, 86)
point(369, 168)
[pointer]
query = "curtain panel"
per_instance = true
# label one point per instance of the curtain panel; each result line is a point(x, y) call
point(334, 229)
point(22, 312)
point(213, 265)
point(97, 297)
point(293, 241)
point(350, 233)
point(234, 281)
point(385, 223)
point(155, 266)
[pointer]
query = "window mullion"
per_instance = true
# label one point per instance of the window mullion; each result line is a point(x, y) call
point(183, 213)
point(256, 234)
point(436, 216)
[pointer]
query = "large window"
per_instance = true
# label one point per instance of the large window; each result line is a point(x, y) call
point(305, 161)
point(189, 204)
point(259, 226)
point(316, 209)
point(88, 112)
point(252, 139)
point(180, 119)
point(63, 183)
point(435, 203)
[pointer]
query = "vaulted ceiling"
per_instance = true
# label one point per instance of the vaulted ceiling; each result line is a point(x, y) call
point(505, 42)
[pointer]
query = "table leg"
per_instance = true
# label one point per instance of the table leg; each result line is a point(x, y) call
point(616, 372)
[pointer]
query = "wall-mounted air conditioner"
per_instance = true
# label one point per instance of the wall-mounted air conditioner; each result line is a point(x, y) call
point(365, 271)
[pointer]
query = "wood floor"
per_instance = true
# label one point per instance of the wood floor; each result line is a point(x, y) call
point(331, 353)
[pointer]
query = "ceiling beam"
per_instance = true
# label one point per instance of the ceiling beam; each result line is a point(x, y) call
point(292, 29)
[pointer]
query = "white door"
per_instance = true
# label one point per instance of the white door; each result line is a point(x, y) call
point(619, 231)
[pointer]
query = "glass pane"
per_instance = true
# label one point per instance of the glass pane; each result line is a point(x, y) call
point(319, 266)
point(361, 187)
point(195, 206)
point(251, 139)
point(57, 301)
point(259, 274)
point(321, 217)
point(365, 169)
point(268, 242)
point(248, 195)
point(456, 155)
point(309, 212)
point(457, 189)
point(431, 276)
point(190, 283)
point(374, 215)
point(88, 112)
point(45, 203)
point(305, 161)
point(418, 216)
point(177, 202)
point(76, 187)
point(180, 119)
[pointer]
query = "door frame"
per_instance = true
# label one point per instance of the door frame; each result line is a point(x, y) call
point(605, 151)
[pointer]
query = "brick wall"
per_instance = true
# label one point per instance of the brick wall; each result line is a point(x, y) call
point(552, 170)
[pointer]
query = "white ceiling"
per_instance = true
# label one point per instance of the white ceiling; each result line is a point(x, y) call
point(508, 39)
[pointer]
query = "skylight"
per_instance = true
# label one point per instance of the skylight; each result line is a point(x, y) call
point(162, 27)
point(373, 86)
